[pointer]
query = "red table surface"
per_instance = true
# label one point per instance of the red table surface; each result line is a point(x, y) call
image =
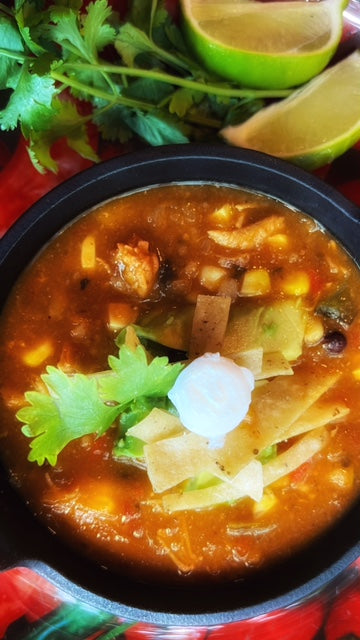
point(33, 609)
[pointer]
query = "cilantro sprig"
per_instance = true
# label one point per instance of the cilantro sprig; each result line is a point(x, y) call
point(136, 73)
point(76, 405)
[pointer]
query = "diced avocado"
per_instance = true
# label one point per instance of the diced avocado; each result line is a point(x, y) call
point(171, 329)
point(278, 327)
point(339, 306)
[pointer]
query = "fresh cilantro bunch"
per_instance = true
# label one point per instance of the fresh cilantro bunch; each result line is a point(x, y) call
point(135, 73)
point(77, 405)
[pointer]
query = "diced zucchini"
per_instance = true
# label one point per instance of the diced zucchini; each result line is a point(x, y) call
point(339, 306)
point(278, 327)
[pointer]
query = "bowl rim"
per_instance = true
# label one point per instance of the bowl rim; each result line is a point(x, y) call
point(139, 169)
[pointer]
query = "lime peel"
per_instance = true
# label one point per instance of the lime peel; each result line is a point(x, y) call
point(314, 125)
point(270, 45)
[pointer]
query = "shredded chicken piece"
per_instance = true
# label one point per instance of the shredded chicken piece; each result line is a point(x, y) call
point(250, 236)
point(138, 267)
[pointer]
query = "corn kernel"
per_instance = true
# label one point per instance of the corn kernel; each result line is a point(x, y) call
point(267, 502)
point(296, 283)
point(255, 282)
point(278, 241)
point(356, 374)
point(211, 276)
point(88, 253)
point(314, 331)
point(39, 354)
point(120, 314)
point(342, 477)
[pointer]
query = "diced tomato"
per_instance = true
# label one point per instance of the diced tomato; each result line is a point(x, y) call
point(317, 283)
point(300, 474)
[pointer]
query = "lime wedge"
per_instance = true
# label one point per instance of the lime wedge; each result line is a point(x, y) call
point(270, 45)
point(314, 125)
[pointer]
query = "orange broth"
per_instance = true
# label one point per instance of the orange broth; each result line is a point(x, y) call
point(61, 313)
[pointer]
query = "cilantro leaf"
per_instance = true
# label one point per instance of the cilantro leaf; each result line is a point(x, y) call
point(130, 447)
point(28, 16)
point(111, 124)
point(78, 405)
point(10, 39)
point(155, 129)
point(30, 103)
point(146, 85)
point(85, 37)
point(131, 42)
point(97, 32)
point(182, 100)
point(139, 408)
point(73, 409)
point(66, 123)
point(135, 377)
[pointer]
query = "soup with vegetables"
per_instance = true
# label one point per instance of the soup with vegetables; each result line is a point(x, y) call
point(180, 374)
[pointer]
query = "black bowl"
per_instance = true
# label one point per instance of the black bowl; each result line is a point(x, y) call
point(25, 541)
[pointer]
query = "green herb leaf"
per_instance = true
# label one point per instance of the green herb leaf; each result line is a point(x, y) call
point(129, 447)
point(72, 410)
point(30, 103)
point(139, 408)
point(78, 405)
point(152, 88)
point(28, 16)
point(66, 123)
point(155, 129)
point(11, 41)
point(135, 377)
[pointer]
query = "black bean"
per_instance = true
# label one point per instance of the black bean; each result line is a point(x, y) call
point(334, 342)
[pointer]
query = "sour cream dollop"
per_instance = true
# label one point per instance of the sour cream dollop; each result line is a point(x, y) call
point(212, 396)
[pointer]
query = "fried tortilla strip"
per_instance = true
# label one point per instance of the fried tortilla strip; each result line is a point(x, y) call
point(295, 456)
point(274, 364)
point(209, 324)
point(173, 460)
point(248, 482)
point(252, 359)
point(157, 425)
point(278, 327)
point(318, 415)
point(275, 407)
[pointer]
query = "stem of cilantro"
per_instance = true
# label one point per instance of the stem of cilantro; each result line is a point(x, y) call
point(128, 102)
point(102, 95)
point(15, 55)
point(161, 76)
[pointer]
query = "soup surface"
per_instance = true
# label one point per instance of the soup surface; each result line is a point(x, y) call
point(146, 462)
